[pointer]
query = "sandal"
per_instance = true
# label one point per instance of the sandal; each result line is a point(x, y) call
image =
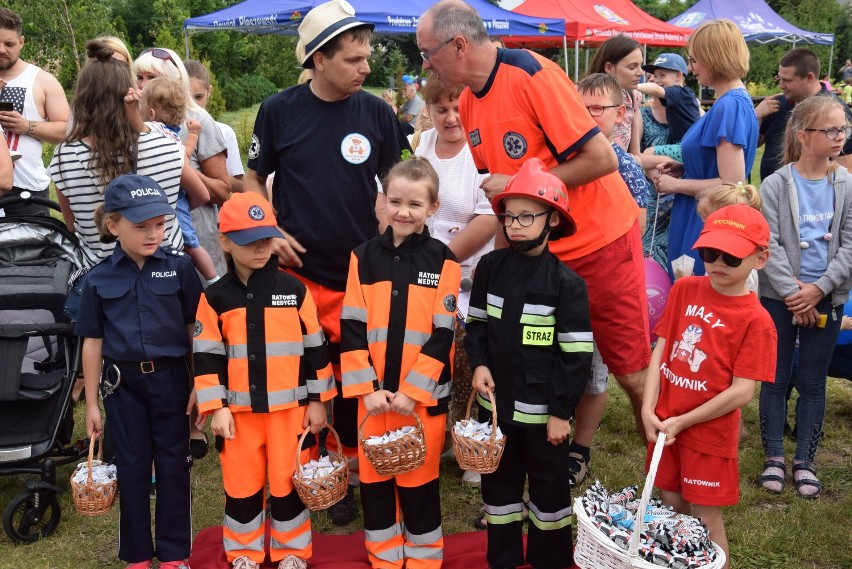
point(806, 482)
point(198, 447)
point(578, 469)
point(768, 478)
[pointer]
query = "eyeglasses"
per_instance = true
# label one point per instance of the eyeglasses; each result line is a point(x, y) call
point(833, 132)
point(160, 53)
point(598, 110)
point(524, 220)
point(426, 54)
point(709, 255)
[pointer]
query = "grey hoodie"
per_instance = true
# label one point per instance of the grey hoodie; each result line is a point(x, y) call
point(781, 209)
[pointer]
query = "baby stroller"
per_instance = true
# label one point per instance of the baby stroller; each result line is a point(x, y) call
point(39, 358)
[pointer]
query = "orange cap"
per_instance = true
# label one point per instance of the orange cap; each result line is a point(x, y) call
point(246, 218)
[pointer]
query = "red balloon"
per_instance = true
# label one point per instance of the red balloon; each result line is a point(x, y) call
point(657, 287)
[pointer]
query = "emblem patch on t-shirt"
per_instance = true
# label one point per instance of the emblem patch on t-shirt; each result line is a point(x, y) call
point(355, 148)
point(254, 147)
point(515, 145)
point(475, 139)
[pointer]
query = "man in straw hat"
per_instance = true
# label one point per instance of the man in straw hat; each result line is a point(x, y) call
point(327, 141)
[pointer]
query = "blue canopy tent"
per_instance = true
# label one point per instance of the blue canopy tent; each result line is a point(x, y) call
point(284, 17)
point(757, 21)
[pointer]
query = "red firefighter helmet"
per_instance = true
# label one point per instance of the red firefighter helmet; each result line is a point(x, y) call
point(534, 182)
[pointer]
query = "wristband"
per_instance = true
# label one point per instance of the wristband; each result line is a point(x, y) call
point(30, 128)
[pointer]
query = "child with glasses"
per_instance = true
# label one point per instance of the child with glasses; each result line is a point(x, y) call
point(806, 282)
point(715, 342)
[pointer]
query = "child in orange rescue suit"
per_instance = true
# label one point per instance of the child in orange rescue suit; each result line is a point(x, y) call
point(262, 371)
point(397, 330)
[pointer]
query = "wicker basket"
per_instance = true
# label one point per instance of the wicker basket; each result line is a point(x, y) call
point(93, 498)
point(324, 491)
point(399, 456)
point(594, 550)
point(479, 456)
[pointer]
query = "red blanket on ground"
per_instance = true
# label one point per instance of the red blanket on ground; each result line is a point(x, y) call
point(461, 551)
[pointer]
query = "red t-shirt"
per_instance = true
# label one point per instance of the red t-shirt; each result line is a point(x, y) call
point(710, 339)
point(530, 108)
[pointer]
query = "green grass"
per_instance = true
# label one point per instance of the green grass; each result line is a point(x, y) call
point(765, 531)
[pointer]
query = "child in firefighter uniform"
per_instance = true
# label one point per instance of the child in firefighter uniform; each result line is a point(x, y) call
point(262, 371)
point(397, 330)
point(529, 341)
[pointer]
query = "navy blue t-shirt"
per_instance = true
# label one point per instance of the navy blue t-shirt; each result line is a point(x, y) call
point(681, 111)
point(326, 157)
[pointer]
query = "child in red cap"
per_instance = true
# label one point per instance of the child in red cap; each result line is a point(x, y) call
point(262, 371)
point(715, 342)
point(529, 342)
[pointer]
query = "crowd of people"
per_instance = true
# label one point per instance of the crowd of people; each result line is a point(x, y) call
point(489, 237)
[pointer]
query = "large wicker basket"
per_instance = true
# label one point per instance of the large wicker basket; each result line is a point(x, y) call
point(479, 456)
point(399, 456)
point(323, 491)
point(594, 550)
point(93, 498)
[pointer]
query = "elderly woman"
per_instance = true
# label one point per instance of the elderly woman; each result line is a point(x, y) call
point(209, 158)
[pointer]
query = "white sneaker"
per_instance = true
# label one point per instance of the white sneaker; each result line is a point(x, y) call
point(292, 562)
point(243, 562)
point(471, 478)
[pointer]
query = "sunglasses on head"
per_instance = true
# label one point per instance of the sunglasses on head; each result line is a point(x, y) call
point(160, 53)
point(709, 255)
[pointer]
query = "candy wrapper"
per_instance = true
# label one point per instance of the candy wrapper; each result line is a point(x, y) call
point(390, 436)
point(475, 430)
point(320, 468)
point(102, 472)
point(683, 266)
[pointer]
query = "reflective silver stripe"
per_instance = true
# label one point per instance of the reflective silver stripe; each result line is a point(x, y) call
point(414, 338)
point(242, 528)
point(424, 538)
point(301, 541)
point(364, 375)
point(313, 340)
point(208, 347)
point(272, 349)
point(233, 545)
point(273, 397)
point(502, 510)
point(477, 313)
point(391, 555)
point(421, 381)
point(290, 525)
point(214, 393)
point(447, 321)
point(574, 337)
point(443, 390)
point(539, 309)
point(377, 335)
point(495, 300)
point(529, 408)
point(320, 385)
point(550, 516)
point(415, 552)
point(353, 313)
point(382, 535)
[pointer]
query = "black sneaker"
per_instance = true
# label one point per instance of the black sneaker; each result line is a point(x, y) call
point(346, 510)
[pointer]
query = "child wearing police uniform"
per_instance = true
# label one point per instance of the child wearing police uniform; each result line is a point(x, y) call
point(529, 341)
point(715, 343)
point(262, 371)
point(397, 331)
point(136, 317)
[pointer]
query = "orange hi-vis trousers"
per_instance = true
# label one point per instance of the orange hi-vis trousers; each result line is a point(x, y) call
point(329, 306)
point(264, 442)
point(402, 513)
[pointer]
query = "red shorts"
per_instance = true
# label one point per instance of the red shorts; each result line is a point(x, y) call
point(699, 478)
point(615, 280)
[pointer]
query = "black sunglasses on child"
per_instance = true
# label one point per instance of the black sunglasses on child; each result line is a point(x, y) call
point(709, 255)
point(160, 53)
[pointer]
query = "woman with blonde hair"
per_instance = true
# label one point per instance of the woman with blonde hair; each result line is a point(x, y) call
point(119, 48)
point(720, 146)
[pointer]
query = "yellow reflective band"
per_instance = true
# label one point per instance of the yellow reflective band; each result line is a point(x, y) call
point(576, 346)
point(494, 311)
point(500, 519)
point(537, 320)
point(558, 524)
point(530, 419)
point(537, 336)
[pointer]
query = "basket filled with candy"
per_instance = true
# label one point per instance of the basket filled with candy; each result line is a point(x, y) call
point(322, 482)
point(395, 452)
point(478, 446)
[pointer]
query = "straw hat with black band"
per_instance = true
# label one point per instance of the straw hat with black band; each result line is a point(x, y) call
point(324, 23)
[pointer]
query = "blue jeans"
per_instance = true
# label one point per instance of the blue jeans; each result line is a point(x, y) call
point(816, 346)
